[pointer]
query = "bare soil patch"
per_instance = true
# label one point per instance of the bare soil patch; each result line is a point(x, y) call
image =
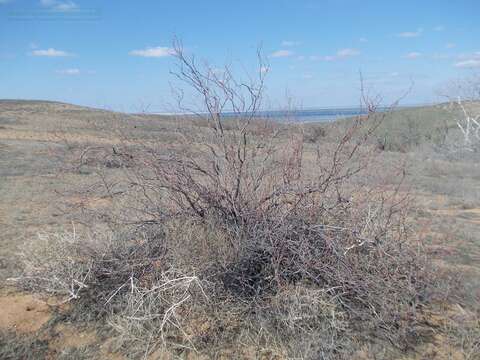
point(23, 313)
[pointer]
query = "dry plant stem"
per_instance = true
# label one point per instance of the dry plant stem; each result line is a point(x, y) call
point(469, 125)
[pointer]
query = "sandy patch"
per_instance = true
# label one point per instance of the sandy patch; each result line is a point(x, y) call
point(23, 313)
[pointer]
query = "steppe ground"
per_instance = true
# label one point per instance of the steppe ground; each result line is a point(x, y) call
point(34, 198)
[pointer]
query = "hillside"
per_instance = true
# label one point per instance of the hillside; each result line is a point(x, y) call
point(39, 142)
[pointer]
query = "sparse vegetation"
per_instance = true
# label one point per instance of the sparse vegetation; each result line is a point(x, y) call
point(14, 347)
point(247, 237)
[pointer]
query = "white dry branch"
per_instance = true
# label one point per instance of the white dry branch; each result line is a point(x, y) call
point(151, 313)
point(50, 264)
point(469, 125)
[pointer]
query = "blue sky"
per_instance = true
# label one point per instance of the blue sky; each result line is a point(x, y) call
point(115, 54)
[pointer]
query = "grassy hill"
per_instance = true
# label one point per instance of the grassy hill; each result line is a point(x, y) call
point(407, 128)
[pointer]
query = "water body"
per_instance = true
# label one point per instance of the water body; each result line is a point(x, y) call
point(319, 114)
point(312, 115)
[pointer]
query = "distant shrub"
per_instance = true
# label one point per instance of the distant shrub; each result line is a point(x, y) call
point(314, 133)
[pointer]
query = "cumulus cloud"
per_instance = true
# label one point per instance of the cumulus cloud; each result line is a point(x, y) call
point(156, 52)
point(413, 55)
point(410, 34)
point(69, 72)
point(58, 5)
point(281, 53)
point(472, 63)
point(50, 53)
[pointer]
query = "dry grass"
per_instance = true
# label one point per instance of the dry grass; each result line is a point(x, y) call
point(231, 239)
point(13, 347)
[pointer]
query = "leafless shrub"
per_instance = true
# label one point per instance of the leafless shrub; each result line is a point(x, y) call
point(94, 271)
point(315, 133)
point(156, 315)
point(253, 213)
point(467, 88)
point(308, 322)
point(463, 96)
point(469, 125)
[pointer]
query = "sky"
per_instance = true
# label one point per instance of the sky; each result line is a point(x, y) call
point(117, 54)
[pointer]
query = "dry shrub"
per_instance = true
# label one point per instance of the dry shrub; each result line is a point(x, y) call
point(308, 322)
point(297, 242)
point(156, 313)
point(94, 271)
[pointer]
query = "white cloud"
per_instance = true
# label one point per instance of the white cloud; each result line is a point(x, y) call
point(281, 53)
point(156, 52)
point(69, 72)
point(58, 5)
point(439, 28)
point(50, 53)
point(472, 63)
point(290, 43)
point(363, 40)
point(344, 53)
point(341, 54)
point(410, 34)
point(469, 56)
point(450, 45)
point(413, 55)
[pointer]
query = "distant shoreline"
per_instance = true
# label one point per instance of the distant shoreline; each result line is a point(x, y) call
point(311, 114)
point(304, 115)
